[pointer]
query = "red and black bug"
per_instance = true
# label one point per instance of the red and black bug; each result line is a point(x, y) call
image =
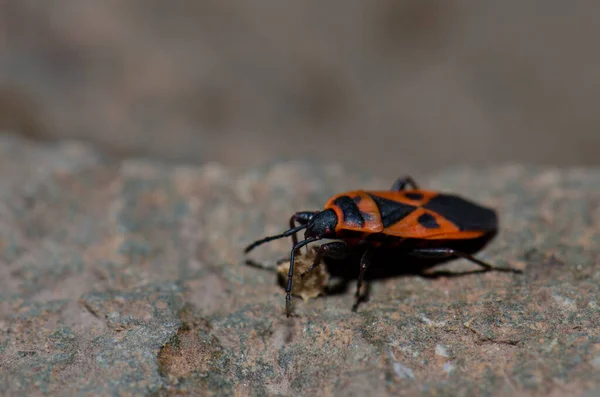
point(421, 222)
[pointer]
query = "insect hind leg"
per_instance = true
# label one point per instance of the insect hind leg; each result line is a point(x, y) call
point(449, 252)
point(402, 182)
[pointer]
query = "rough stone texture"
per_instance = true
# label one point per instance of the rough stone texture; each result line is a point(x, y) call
point(128, 278)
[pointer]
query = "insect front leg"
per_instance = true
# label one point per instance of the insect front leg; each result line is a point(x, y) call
point(448, 252)
point(365, 261)
point(336, 250)
point(402, 182)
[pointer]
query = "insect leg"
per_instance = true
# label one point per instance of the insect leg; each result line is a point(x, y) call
point(402, 182)
point(336, 249)
point(448, 252)
point(288, 288)
point(365, 261)
point(302, 218)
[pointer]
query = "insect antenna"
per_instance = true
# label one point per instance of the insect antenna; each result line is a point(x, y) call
point(287, 233)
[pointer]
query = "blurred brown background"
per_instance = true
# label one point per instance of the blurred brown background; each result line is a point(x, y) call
point(388, 85)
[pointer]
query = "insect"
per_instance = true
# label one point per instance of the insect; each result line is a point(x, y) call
point(421, 223)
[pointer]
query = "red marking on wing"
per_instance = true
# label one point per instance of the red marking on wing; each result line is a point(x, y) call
point(410, 227)
point(401, 197)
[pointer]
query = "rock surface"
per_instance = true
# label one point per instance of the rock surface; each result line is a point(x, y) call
point(128, 278)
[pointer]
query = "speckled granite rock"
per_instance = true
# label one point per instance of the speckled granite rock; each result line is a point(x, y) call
point(128, 278)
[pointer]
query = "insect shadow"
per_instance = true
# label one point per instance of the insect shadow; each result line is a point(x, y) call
point(390, 263)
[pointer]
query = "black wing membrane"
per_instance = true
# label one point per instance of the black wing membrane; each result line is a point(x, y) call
point(467, 216)
point(391, 211)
